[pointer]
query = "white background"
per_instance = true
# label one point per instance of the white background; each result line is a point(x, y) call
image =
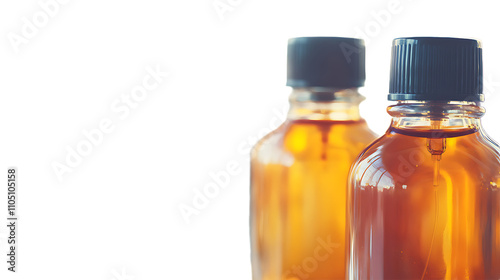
point(116, 214)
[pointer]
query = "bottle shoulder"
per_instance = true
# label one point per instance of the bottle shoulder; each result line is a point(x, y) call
point(307, 139)
point(476, 142)
point(395, 157)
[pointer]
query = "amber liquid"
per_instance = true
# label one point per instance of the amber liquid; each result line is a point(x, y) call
point(298, 190)
point(426, 205)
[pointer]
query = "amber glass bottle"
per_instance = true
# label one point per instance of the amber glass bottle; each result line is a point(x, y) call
point(424, 198)
point(299, 171)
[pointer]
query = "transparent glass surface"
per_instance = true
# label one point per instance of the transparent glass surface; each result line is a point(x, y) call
point(298, 187)
point(424, 198)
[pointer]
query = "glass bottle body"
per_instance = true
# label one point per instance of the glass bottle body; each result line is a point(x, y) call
point(298, 187)
point(424, 198)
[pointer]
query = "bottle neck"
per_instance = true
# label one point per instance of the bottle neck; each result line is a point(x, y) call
point(325, 104)
point(436, 115)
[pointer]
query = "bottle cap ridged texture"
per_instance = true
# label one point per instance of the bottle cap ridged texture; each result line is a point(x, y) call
point(326, 62)
point(434, 68)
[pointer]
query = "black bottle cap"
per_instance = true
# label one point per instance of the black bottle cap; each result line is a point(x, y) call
point(326, 62)
point(434, 68)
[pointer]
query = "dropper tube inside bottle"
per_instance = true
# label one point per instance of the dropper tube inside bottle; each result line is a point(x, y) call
point(324, 106)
